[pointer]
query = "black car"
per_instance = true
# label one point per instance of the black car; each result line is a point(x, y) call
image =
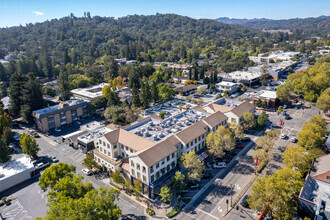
point(244, 202)
point(245, 139)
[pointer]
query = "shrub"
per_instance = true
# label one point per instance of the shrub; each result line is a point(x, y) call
point(174, 212)
point(117, 178)
point(150, 211)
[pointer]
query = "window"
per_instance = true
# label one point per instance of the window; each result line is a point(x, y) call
point(157, 165)
point(168, 168)
point(173, 164)
point(163, 161)
point(108, 145)
point(163, 171)
point(137, 166)
point(144, 169)
point(122, 147)
point(100, 141)
point(138, 175)
point(152, 178)
point(103, 143)
point(133, 172)
point(105, 152)
point(131, 150)
point(101, 149)
point(132, 163)
point(109, 154)
point(114, 146)
point(173, 155)
point(151, 170)
point(126, 148)
point(168, 158)
point(157, 175)
point(144, 178)
point(196, 149)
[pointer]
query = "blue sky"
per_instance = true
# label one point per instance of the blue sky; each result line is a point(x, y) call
point(16, 12)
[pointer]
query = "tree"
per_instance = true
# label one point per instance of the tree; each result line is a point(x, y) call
point(17, 81)
point(99, 102)
point(135, 97)
point(194, 167)
point(89, 161)
point(54, 173)
point(248, 120)
point(264, 74)
point(113, 99)
point(236, 129)
point(154, 93)
point(262, 118)
point(63, 85)
point(166, 194)
point(29, 144)
point(117, 178)
point(220, 141)
point(178, 181)
point(166, 92)
point(4, 151)
point(279, 191)
point(265, 142)
point(283, 92)
point(162, 114)
point(202, 91)
point(206, 80)
point(297, 157)
point(323, 102)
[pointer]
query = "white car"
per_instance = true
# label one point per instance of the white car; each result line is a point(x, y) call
point(219, 165)
point(54, 159)
point(86, 171)
point(283, 136)
point(294, 139)
point(57, 130)
point(42, 165)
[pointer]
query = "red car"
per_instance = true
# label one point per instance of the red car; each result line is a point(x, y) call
point(294, 101)
point(239, 146)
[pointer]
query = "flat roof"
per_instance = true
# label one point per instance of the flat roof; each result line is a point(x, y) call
point(89, 137)
point(13, 167)
point(241, 75)
point(157, 130)
point(266, 94)
point(90, 92)
point(223, 83)
point(67, 105)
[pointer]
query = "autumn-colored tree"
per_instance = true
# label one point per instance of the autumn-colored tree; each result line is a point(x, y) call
point(296, 157)
point(193, 165)
point(29, 144)
point(248, 120)
point(220, 141)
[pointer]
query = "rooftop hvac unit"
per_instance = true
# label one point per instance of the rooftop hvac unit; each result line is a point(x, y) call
point(161, 135)
point(149, 128)
point(143, 130)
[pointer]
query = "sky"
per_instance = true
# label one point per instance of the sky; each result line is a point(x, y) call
point(16, 12)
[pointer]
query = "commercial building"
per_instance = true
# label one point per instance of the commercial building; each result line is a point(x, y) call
point(268, 96)
point(61, 114)
point(86, 141)
point(15, 172)
point(88, 93)
point(314, 197)
point(149, 149)
point(230, 87)
point(246, 78)
point(276, 55)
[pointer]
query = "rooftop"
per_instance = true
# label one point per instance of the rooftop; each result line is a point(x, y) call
point(89, 92)
point(92, 126)
point(228, 102)
point(157, 130)
point(266, 94)
point(63, 105)
point(241, 75)
point(321, 165)
point(86, 138)
point(13, 167)
point(223, 83)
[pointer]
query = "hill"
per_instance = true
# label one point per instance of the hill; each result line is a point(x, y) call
point(306, 27)
point(123, 37)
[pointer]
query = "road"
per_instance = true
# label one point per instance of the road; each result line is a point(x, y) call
point(213, 203)
point(30, 191)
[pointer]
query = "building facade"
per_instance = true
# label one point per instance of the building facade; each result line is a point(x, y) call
point(58, 115)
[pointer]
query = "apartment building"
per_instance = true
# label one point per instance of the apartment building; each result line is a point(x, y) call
point(149, 150)
point(61, 114)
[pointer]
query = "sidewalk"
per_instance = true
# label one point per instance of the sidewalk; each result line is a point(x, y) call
point(160, 212)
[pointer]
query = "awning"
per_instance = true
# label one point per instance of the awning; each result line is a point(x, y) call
point(202, 156)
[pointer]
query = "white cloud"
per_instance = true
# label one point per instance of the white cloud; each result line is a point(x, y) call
point(38, 13)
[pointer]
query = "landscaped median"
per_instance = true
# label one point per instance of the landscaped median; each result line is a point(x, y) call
point(174, 212)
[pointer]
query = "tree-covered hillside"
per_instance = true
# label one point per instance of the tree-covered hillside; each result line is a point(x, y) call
point(122, 37)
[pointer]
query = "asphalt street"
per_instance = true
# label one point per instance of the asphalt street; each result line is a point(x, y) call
point(29, 191)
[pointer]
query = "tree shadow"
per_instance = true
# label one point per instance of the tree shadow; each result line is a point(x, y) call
point(277, 157)
point(243, 169)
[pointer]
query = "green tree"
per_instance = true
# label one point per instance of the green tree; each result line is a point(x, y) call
point(162, 114)
point(113, 99)
point(166, 194)
point(262, 118)
point(265, 142)
point(89, 161)
point(279, 191)
point(248, 120)
point(4, 151)
point(296, 157)
point(236, 129)
point(117, 178)
point(220, 141)
point(201, 91)
point(54, 173)
point(323, 102)
point(178, 181)
point(283, 92)
point(17, 81)
point(135, 97)
point(154, 93)
point(63, 85)
point(194, 167)
point(29, 144)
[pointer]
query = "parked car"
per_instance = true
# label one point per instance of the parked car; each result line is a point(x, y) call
point(86, 171)
point(294, 100)
point(294, 139)
point(283, 113)
point(244, 202)
point(240, 146)
point(285, 106)
point(219, 165)
point(196, 186)
point(54, 159)
point(57, 130)
point(42, 165)
point(246, 139)
point(283, 136)
point(37, 161)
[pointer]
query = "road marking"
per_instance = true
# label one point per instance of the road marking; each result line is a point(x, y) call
point(237, 186)
point(221, 200)
point(219, 208)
